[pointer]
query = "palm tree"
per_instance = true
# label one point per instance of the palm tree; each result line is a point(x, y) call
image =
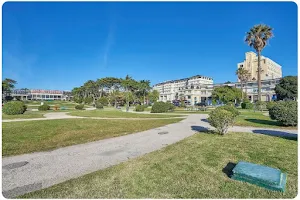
point(257, 38)
point(243, 76)
point(144, 87)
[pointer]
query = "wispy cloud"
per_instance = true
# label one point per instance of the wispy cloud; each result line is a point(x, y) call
point(110, 40)
point(109, 43)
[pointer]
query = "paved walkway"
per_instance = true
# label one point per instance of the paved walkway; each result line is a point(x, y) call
point(29, 172)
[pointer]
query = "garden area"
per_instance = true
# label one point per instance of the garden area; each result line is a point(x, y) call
point(191, 168)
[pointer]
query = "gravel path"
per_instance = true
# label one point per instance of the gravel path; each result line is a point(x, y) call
point(29, 172)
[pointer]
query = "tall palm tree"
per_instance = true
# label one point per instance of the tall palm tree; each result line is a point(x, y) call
point(257, 38)
point(243, 76)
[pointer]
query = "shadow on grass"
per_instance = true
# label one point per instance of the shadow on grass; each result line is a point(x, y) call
point(264, 122)
point(228, 169)
point(282, 134)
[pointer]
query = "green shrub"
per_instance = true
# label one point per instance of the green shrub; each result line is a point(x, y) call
point(170, 106)
point(139, 108)
point(246, 105)
point(285, 112)
point(230, 104)
point(103, 101)
point(221, 119)
point(14, 108)
point(44, 107)
point(260, 105)
point(270, 104)
point(99, 105)
point(182, 104)
point(79, 107)
point(88, 100)
point(161, 107)
point(231, 109)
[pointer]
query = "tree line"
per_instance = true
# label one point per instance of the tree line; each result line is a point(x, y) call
point(117, 91)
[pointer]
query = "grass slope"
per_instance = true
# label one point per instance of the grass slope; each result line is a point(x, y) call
point(32, 136)
point(192, 168)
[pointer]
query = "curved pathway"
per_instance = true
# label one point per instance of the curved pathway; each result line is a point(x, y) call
point(29, 172)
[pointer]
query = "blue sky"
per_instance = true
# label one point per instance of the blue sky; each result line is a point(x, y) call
point(61, 45)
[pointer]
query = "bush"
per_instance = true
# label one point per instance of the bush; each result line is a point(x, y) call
point(231, 109)
point(79, 107)
point(88, 100)
point(99, 105)
point(221, 119)
point(103, 101)
point(285, 112)
point(44, 107)
point(14, 108)
point(260, 105)
point(170, 106)
point(270, 105)
point(246, 105)
point(139, 108)
point(161, 107)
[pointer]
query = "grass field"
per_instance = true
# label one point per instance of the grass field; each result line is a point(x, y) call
point(26, 115)
point(192, 168)
point(118, 114)
point(32, 136)
point(257, 119)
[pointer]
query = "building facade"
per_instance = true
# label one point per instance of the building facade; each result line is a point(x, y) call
point(270, 69)
point(41, 95)
point(194, 90)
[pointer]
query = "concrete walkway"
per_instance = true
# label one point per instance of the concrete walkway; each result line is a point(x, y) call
point(29, 172)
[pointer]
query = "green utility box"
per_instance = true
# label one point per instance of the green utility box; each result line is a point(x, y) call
point(263, 176)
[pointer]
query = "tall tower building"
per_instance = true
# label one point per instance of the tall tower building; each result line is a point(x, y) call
point(270, 69)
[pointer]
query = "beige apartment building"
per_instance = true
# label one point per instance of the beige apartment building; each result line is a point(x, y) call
point(270, 69)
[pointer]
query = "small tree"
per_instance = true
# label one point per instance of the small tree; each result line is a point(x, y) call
point(287, 88)
point(221, 119)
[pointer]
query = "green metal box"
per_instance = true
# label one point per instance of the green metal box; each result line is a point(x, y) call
point(263, 176)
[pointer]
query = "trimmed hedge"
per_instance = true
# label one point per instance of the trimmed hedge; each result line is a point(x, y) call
point(285, 112)
point(221, 119)
point(231, 109)
point(14, 108)
point(79, 107)
point(161, 107)
point(139, 108)
point(44, 107)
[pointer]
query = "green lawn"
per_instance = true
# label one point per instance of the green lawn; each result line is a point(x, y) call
point(192, 168)
point(257, 119)
point(26, 115)
point(32, 136)
point(118, 114)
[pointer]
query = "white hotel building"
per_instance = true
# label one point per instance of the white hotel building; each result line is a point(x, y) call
point(194, 89)
point(198, 89)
